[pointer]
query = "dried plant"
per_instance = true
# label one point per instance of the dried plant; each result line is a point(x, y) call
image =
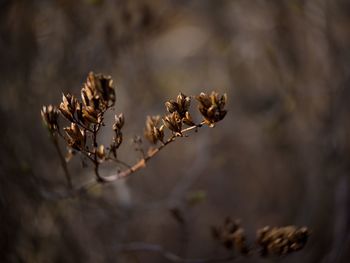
point(86, 118)
point(271, 241)
point(281, 240)
point(231, 235)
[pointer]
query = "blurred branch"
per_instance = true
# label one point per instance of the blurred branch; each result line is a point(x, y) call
point(140, 246)
point(63, 162)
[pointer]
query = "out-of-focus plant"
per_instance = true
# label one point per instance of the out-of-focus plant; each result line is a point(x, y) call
point(270, 241)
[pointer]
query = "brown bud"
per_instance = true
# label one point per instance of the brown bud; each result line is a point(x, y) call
point(76, 136)
point(65, 112)
point(281, 240)
point(212, 107)
point(159, 133)
point(183, 102)
point(152, 133)
point(188, 119)
point(101, 153)
point(49, 115)
point(171, 106)
point(89, 115)
point(119, 121)
point(173, 122)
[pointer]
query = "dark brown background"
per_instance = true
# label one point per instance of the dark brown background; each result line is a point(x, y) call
point(280, 157)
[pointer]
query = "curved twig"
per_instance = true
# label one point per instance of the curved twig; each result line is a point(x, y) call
point(142, 163)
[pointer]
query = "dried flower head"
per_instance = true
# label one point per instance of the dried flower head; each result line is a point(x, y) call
point(152, 132)
point(231, 235)
point(68, 106)
point(173, 122)
point(98, 91)
point(49, 115)
point(181, 106)
point(97, 95)
point(76, 136)
point(212, 107)
point(281, 240)
point(118, 135)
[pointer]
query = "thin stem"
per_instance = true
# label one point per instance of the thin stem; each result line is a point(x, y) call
point(119, 161)
point(139, 246)
point(95, 160)
point(82, 125)
point(151, 153)
point(63, 162)
point(131, 169)
point(87, 155)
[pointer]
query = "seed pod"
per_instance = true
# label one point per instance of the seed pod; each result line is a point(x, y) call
point(281, 240)
point(66, 110)
point(76, 136)
point(119, 121)
point(212, 107)
point(90, 115)
point(151, 131)
point(171, 106)
point(101, 152)
point(173, 122)
point(188, 119)
point(49, 115)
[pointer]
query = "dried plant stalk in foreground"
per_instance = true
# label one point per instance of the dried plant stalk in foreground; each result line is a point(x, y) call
point(85, 117)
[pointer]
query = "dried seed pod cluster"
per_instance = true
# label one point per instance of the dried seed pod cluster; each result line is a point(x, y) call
point(212, 107)
point(152, 131)
point(180, 107)
point(275, 241)
point(281, 240)
point(231, 235)
point(97, 95)
point(75, 136)
point(86, 118)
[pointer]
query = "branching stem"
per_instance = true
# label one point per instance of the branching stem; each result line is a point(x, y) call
point(151, 153)
point(137, 166)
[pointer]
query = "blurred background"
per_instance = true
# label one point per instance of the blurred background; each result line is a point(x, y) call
point(280, 157)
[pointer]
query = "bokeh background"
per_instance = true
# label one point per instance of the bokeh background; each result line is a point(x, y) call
point(280, 157)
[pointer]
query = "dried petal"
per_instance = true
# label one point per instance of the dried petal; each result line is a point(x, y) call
point(188, 119)
point(171, 106)
point(151, 131)
point(173, 122)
